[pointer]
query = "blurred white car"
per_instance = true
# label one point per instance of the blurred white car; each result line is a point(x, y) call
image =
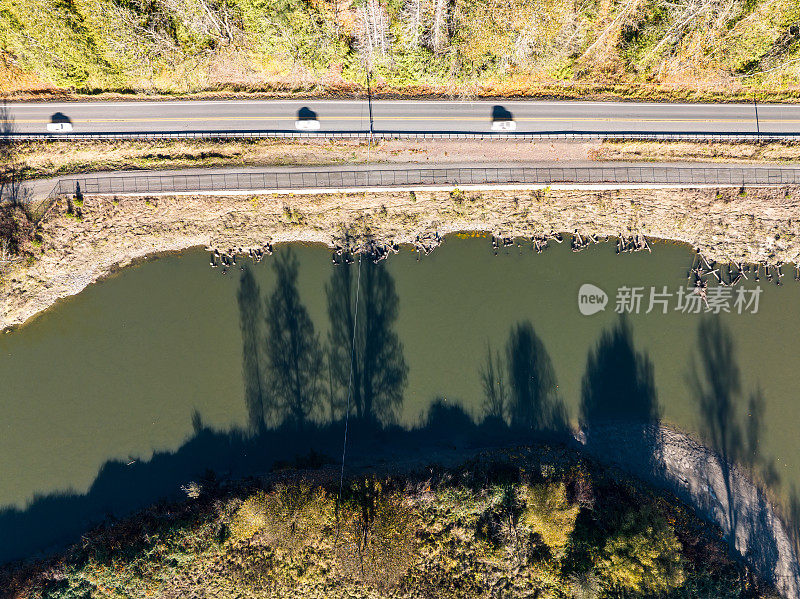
point(307, 125)
point(62, 127)
point(504, 126)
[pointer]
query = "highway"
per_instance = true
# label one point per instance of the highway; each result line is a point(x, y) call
point(407, 116)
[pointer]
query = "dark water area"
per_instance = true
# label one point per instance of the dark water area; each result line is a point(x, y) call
point(145, 381)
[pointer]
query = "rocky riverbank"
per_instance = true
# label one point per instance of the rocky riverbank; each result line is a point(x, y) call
point(718, 492)
point(82, 241)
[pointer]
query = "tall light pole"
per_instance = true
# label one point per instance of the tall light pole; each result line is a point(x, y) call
point(369, 103)
point(369, 98)
point(755, 107)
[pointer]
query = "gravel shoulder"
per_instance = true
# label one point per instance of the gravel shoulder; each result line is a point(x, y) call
point(41, 159)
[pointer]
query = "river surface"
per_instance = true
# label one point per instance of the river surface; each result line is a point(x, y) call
point(143, 360)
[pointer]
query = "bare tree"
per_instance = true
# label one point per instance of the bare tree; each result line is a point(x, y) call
point(6, 257)
point(11, 191)
point(16, 227)
point(412, 15)
point(438, 25)
point(205, 17)
point(373, 31)
point(418, 19)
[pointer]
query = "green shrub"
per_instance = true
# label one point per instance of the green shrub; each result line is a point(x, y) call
point(642, 554)
point(548, 513)
point(377, 535)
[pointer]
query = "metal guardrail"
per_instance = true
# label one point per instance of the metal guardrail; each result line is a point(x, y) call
point(287, 180)
point(410, 135)
point(265, 181)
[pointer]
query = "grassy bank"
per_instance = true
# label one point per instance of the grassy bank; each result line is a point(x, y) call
point(666, 151)
point(529, 522)
point(43, 159)
point(647, 49)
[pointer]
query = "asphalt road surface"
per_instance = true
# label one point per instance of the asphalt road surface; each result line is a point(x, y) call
point(402, 116)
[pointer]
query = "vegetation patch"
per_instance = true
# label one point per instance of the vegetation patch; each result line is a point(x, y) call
point(527, 522)
point(17, 230)
point(712, 151)
point(647, 48)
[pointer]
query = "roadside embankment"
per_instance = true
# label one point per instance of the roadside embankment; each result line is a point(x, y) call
point(43, 159)
point(81, 241)
point(463, 50)
point(711, 151)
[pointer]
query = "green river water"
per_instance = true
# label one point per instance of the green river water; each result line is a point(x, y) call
point(117, 371)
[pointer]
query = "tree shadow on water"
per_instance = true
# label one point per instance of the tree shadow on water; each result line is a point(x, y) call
point(251, 326)
point(618, 384)
point(520, 387)
point(619, 411)
point(294, 354)
point(365, 353)
point(533, 391)
point(493, 381)
point(284, 380)
point(715, 381)
point(51, 521)
point(732, 425)
point(289, 372)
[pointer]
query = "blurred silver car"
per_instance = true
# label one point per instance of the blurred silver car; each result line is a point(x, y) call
point(504, 126)
point(307, 125)
point(60, 127)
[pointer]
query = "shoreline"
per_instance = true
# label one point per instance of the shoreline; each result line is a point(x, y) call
point(664, 457)
point(684, 466)
point(103, 235)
